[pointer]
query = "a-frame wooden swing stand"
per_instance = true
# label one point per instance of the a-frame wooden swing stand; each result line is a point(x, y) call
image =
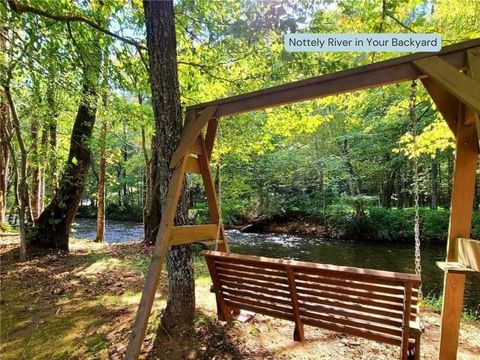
point(451, 77)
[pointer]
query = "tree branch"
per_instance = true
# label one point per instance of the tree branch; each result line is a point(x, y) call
point(400, 23)
point(21, 8)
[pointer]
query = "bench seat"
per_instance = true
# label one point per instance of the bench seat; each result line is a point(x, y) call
point(373, 304)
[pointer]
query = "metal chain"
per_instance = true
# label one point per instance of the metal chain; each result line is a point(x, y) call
point(418, 259)
point(219, 195)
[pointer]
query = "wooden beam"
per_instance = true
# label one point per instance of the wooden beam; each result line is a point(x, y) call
point(469, 253)
point(407, 310)
point(378, 74)
point(211, 195)
point(463, 192)
point(463, 187)
point(193, 233)
point(190, 133)
point(211, 135)
point(450, 79)
point(454, 267)
point(453, 290)
point(473, 61)
point(195, 148)
point(192, 165)
point(158, 257)
point(446, 103)
point(298, 334)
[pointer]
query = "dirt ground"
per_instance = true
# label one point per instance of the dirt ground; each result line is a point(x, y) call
point(82, 305)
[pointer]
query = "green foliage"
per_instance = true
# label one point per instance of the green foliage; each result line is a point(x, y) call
point(331, 158)
point(388, 224)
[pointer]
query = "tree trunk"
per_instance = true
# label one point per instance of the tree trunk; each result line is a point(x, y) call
point(146, 180)
point(102, 167)
point(35, 170)
point(434, 184)
point(24, 214)
point(161, 42)
point(5, 133)
point(52, 130)
point(354, 181)
point(53, 227)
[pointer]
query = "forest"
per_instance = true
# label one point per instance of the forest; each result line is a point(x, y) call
point(93, 99)
point(345, 162)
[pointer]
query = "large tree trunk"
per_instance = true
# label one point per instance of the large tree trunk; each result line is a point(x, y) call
point(161, 41)
point(53, 225)
point(102, 169)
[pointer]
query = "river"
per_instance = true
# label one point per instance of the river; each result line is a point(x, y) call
point(384, 255)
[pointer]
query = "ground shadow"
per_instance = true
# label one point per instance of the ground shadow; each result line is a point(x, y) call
point(205, 340)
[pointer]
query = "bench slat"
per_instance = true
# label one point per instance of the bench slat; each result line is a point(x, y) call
point(352, 299)
point(255, 269)
point(364, 285)
point(245, 275)
point(367, 334)
point(263, 284)
point(263, 304)
point(243, 286)
point(364, 315)
point(351, 291)
point(259, 310)
point(389, 313)
point(257, 295)
point(357, 323)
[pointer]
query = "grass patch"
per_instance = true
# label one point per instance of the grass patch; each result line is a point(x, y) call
point(140, 263)
point(434, 303)
point(96, 343)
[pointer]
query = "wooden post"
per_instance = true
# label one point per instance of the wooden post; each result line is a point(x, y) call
point(159, 253)
point(213, 208)
point(298, 334)
point(211, 135)
point(473, 61)
point(463, 191)
point(407, 311)
point(224, 312)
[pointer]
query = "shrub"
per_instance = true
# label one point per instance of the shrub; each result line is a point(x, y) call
point(394, 224)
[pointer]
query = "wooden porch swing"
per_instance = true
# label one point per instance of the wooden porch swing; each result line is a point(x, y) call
point(375, 304)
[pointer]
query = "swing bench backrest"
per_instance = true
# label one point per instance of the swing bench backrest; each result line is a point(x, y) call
point(373, 304)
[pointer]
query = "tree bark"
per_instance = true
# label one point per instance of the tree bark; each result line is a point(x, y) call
point(5, 135)
point(44, 159)
point(34, 170)
point(24, 214)
point(53, 226)
point(102, 167)
point(52, 132)
point(161, 42)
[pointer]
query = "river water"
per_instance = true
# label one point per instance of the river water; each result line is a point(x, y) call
point(383, 256)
